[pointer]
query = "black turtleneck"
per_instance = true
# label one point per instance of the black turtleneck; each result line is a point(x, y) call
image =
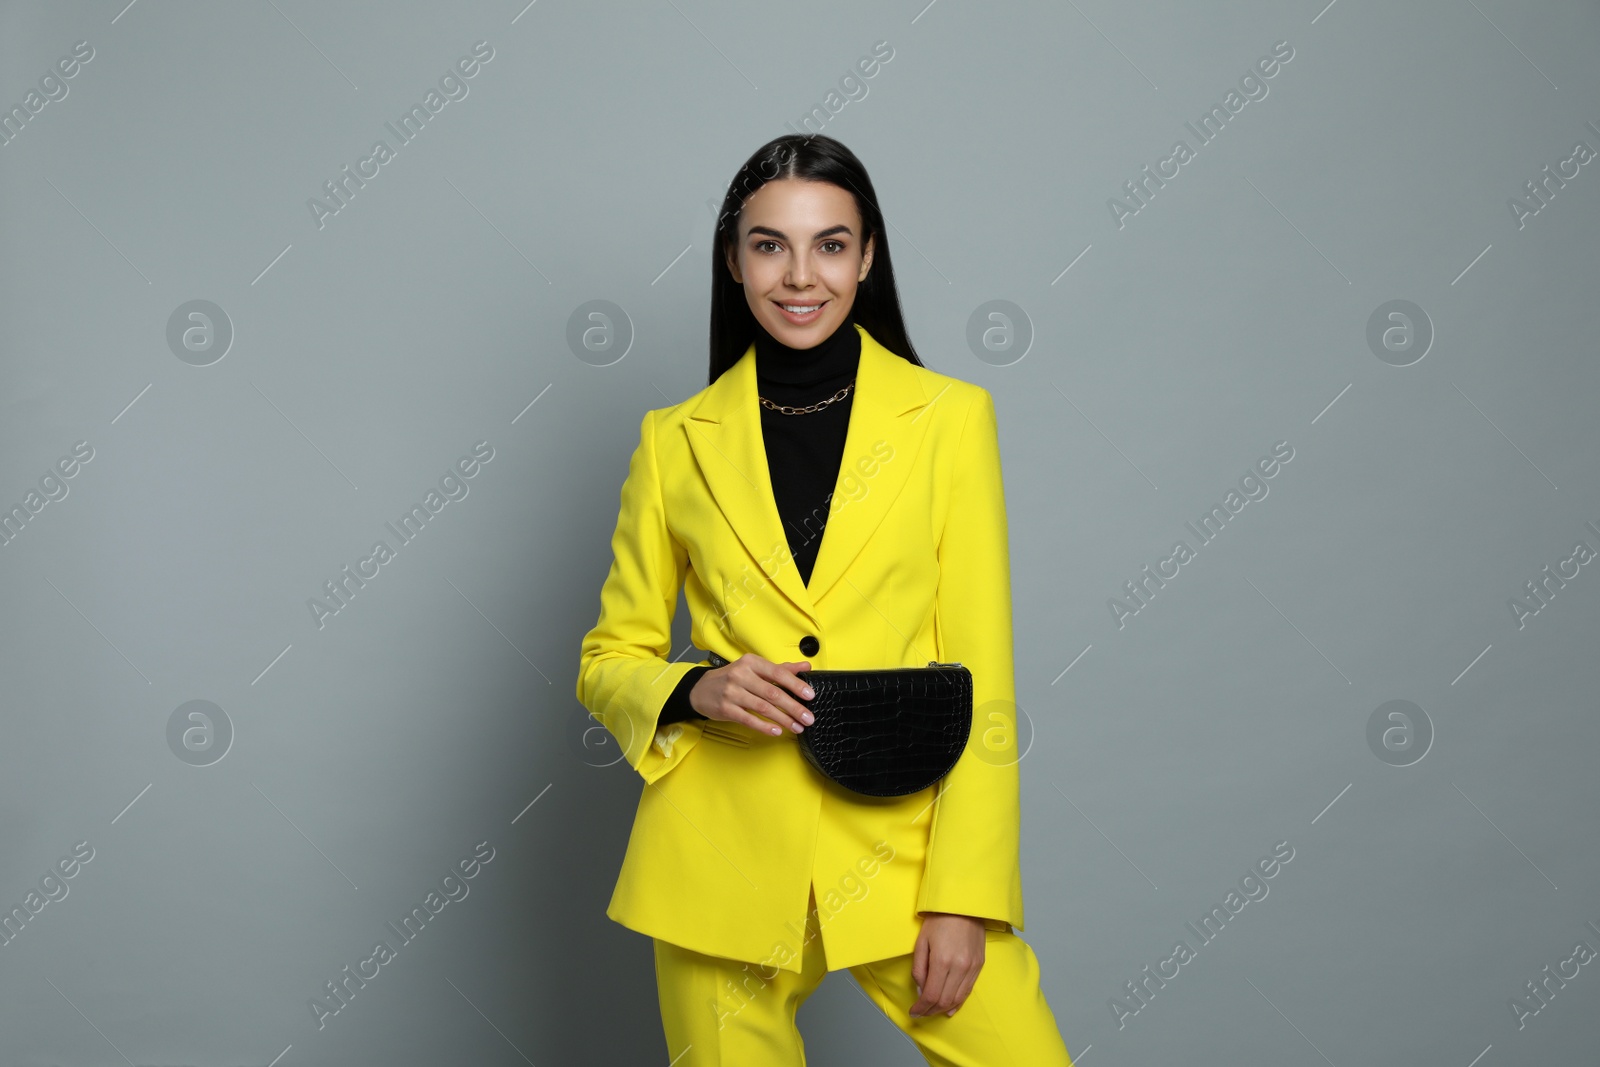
point(803, 451)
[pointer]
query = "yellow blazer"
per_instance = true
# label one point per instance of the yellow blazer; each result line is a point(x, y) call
point(734, 826)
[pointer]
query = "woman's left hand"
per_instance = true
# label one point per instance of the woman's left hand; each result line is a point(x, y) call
point(946, 962)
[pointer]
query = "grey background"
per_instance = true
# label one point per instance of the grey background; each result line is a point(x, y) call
point(436, 710)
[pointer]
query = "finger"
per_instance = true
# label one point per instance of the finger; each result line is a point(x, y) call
point(761, 680)
point(736, 706)
point(742, 702)
point(795, 667)
point(965, 989)
point(779, 716)
point(958, 974)
point(747, 701)
point(783, 683)
point(740, 710)
point(789, 677)
point(932, 998)
point(765, 690)
point(919, 971)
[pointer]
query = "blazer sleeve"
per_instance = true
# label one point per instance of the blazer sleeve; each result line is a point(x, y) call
point(973, 862)
point(624, 678)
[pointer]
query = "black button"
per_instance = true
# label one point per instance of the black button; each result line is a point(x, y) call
point(809, 645)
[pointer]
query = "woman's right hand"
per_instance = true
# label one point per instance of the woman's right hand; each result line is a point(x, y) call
point(756, 692)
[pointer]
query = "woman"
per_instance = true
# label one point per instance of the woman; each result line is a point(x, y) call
point(753, 873)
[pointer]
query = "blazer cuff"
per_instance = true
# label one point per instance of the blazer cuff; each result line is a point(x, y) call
point(988, 923)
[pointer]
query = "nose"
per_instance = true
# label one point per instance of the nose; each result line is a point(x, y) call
point(800, 271)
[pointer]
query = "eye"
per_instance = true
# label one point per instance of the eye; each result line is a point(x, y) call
point(768, 241)
point(840, 244)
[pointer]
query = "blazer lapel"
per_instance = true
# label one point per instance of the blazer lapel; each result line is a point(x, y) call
point(889, 408)
point(724, 431)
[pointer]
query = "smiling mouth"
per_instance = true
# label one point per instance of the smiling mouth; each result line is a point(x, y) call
point(801, 309)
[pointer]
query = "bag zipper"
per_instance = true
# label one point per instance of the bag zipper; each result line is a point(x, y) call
point(718, 661)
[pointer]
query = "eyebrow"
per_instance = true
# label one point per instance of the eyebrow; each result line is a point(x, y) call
point(770, 232)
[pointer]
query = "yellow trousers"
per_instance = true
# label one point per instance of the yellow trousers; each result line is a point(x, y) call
point(720, 1012)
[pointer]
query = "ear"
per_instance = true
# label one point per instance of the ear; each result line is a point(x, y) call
point(733, 263)
point(866, 257)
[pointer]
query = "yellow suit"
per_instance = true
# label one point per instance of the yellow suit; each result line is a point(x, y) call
point(733, 827)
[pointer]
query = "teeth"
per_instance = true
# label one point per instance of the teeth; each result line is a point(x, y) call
point(800, 309)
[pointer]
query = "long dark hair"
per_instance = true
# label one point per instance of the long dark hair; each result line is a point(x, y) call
point(809, 157)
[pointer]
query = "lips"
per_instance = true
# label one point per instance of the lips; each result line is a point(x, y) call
point(800, 320)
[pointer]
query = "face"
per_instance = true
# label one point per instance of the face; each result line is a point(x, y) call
point(800, 247)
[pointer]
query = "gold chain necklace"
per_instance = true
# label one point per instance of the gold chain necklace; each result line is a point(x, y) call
point(787, 410)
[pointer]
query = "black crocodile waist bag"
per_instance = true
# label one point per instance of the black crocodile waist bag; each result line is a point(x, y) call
point(887, 732)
